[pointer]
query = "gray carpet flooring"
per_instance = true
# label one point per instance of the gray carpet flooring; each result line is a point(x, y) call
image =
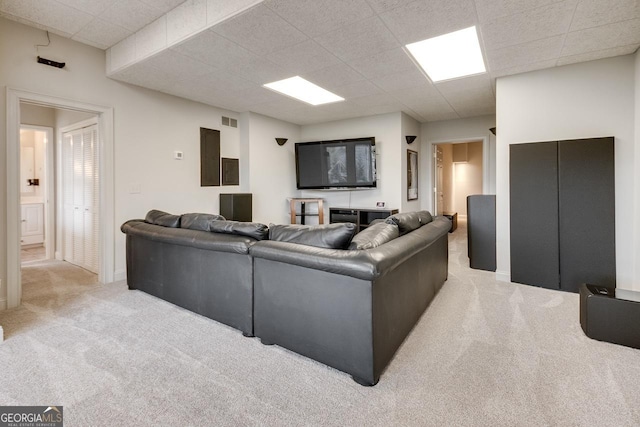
point(484, 353)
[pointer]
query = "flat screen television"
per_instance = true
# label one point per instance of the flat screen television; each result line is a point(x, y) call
point(343, 163)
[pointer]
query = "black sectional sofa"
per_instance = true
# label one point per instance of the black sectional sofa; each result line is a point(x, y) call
point(345, 301)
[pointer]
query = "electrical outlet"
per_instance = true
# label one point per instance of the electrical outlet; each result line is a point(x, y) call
point(177, 155)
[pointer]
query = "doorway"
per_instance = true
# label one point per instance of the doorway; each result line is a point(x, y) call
point(106, 176)
point(36, 193)
point(458, 173)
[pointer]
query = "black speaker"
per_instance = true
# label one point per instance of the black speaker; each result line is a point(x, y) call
point(236, 206)
point(610, 314)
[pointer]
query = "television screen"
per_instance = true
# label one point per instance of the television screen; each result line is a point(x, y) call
point(346, 163)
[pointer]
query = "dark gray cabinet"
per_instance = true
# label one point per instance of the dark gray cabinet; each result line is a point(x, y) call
point(562, 213)
point(481, 231)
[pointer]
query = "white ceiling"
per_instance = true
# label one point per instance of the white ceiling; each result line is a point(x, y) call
point(353, 48)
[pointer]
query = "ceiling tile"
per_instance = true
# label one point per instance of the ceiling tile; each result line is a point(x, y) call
point(315, 17)
point(260, 30)
point(92, 7)
point(524, 68)
point(473, 87)
point(421, 19)
point(438, 116)
point(357, 89)
point(334, 76)
point(151, 38)
point(90, 43)
point(102, 32)
point(377, 99)
point(47, 13)
point(122, 53)
point(164, 5)
point(402, 80)
point(186, 19)
point(598, 54)
point(540, 23)
point(525, 53)
point(605, 37)
point(424, 100)
point(261, 70)
point(380, 6)
point(363, 38)
point(177, 66)
point(213, 49)
point(383, 63)
point(131, 14)
point(489, 10)
point(303, 57)
point(143, 74)
point(594, 13)
point(219, 10)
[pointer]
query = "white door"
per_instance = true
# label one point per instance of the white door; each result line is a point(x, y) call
point(80, 197)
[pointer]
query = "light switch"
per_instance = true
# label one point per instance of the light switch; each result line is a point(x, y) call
point(135, 188)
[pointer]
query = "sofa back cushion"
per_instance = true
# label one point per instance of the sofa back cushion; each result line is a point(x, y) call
point(164, 219)
point(425, 217)
point(199, 221)
point(374, 236)
point(250, 229)
point(406, 222)
point(331, 236)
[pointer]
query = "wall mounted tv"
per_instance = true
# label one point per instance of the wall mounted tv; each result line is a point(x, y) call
point(342, 163)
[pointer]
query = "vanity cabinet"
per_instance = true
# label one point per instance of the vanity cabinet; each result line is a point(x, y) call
point(32, 224)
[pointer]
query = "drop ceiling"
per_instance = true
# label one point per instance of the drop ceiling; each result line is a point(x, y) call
point(221, 52)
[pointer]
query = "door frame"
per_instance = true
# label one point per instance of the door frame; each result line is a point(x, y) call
point(106, 176)
point(49, 189)
point(486, 162)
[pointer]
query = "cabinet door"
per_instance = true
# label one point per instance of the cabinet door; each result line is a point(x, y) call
point(586, 213)
point(533, 174)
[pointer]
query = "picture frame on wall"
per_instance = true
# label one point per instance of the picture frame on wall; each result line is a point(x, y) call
point(412, 175)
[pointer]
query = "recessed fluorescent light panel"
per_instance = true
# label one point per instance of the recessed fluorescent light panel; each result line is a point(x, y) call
point(299, 88)
point(449, 56)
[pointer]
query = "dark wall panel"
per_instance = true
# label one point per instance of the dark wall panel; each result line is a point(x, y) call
point(209, 157)
point(587, 212)
point(533, 172)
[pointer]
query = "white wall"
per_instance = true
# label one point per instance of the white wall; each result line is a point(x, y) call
point(386, 128)
point(458, 130)
point(270, 168)
point(592, 99)
point(149, 126)
point(636, 114)
point(410, 126)
point(36, 115)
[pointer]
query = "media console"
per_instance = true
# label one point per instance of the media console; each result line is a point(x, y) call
point(360, 217)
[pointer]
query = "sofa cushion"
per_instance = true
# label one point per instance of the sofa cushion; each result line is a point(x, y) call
point(250, 229)
point(164, 219)
point(406, 222)
point(374, 236)
point(198, 221)
point(331, 236)
point(425, 217)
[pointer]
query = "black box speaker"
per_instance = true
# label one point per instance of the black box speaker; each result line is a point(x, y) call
point(236, 206)
point(610, 314)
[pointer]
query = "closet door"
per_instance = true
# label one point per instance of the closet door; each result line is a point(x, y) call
point(90, 198)
point(533, 174)
point(586, 197)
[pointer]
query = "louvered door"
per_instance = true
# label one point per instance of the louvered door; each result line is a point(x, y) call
point(80, 197)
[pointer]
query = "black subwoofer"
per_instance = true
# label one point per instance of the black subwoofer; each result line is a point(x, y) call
point(610, 314)
point(236, 206)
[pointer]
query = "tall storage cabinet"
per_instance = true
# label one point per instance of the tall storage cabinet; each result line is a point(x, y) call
point(80, 197)
point(562, 200)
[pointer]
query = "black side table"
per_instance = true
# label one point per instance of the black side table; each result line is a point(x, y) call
point(453, 216)
point(610, 314)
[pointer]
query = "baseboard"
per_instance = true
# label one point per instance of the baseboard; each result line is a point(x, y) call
point(119, 275)
point(58, 256)
point(503, 276)
point(1, 334)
